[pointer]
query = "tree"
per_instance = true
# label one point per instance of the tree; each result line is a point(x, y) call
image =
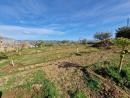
point(102, 36)
point(38, 43)
point(83, 41)
point(65, 41)
point(123, 32)
point(123, 43)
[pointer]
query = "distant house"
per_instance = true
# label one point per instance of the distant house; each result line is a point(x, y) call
point(10, 45)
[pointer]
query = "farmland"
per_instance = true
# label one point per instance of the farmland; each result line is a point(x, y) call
point(58, 71)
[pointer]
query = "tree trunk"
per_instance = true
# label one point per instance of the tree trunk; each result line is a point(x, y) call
point(12, 63)
point(121, 60)
point(77, 50)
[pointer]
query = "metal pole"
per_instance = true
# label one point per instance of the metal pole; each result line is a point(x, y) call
point(128, 20)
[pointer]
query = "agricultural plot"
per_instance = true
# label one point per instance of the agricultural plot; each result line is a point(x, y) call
point(60, 72)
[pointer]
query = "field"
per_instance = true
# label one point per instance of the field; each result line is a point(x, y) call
point(58, 71)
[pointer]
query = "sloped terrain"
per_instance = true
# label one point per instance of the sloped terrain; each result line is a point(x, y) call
point(69, 77)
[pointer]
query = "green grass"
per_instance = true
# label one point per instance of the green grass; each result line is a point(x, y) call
point(40, 55)
point(2, 74)
point(49, 90)
point(92, 82)
point(121, 79)
point(9, 84)
point(77, 94)
point(4, 62)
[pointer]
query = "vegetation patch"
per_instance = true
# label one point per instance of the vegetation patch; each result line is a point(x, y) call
point(77, 94)
point(42, 87)
point(92, 82)
point(122, 79)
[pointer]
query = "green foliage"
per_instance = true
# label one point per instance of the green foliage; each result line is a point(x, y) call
point(77, 94)
point(2, 74)
point(83, 41)
point(49, 44)
point(102, 35)
point(48, 88)
point(121, 42)
point(41, 44)
point(65, 41)
point(3, 56)
point(123, 32)
point(92, 82)
point(122, 79)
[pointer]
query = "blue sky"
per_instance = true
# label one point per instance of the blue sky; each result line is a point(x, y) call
point(61, 19)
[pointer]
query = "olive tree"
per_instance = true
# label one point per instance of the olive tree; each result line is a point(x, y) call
point(102, 36)
point(123, 43)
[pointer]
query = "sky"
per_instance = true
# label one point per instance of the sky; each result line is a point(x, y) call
point(61, 19)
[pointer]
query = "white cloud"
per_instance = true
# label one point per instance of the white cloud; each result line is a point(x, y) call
point(18, 30)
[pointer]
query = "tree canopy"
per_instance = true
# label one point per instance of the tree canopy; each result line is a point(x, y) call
point(102, 36)
point(123, 32)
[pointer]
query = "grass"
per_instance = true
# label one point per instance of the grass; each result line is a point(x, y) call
point(77, 94)
point(2, 74)
point(9, 84)
point(48, 89)
point(122, 79)
point(40, 55)
point(92, 82)
point(32, 56)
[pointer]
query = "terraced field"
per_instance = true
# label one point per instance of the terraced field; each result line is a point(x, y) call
point(71, 74)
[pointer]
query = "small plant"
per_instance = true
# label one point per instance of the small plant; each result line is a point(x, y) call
point(77, 94)
point(123, 43)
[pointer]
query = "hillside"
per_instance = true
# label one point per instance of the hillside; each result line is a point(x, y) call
point(58, 71)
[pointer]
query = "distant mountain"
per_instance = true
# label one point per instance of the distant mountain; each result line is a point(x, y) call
point(5, 38)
